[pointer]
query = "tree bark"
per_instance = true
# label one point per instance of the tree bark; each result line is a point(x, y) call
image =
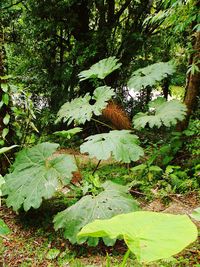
point(193, 84)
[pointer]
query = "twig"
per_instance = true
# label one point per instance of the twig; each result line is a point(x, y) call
point(4, 237)
point(102, 123)
point(95, 169)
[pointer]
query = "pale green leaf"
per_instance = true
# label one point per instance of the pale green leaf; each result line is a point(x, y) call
point(196, 214)
point(5, 132)
point(6, 119)
point(69, 133)
point(4, 87)
point(149, 75)
point(101, 95)
point(113, 200)
point(4, 230)
point(80, 110)
point(122, 145)
point(165, 113)
point(2, 181)
point(101, 69)
point(6, 149)
point(149, 235)
point(36, 175)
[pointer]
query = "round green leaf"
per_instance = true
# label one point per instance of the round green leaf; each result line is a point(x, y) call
point(37, 174)
point(149, 235)
point(122, 145)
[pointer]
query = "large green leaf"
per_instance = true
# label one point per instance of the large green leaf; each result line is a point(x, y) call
point(4, 230)
point(149, 75)
point(122, 145)
point(164, 113)
point(37, 175)
point(101, 69)
point(113, 200)
point(80, 110)
point(149, 235)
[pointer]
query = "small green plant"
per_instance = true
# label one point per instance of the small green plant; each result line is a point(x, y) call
point(146, 171)
point(114, 199)
point(179, 179)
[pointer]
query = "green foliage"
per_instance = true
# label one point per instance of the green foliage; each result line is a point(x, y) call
point(150, 75)
point(101, 69)
point(150, 236)
point(179, 180)
point(37, 174)
point(69, 133)
point(112, 201)
point(4, 230)
point(80, 110)
point(122, 145)
point(192, 142)
point(146, 171)
point(164, 113)
point(52, 254)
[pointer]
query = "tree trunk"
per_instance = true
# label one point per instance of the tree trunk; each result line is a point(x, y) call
point(193, 84)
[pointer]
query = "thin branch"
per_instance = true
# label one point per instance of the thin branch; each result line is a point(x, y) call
point(103, 123)
point(95, 169)
point(123, 8)
point(4, 237)
point(7, 7)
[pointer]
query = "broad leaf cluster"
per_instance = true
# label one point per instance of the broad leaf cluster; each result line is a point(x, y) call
point(161, 113)
point(112, 201)
point(80, 110)
point(37, 175)
point(122, 145)
point(149, 75)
